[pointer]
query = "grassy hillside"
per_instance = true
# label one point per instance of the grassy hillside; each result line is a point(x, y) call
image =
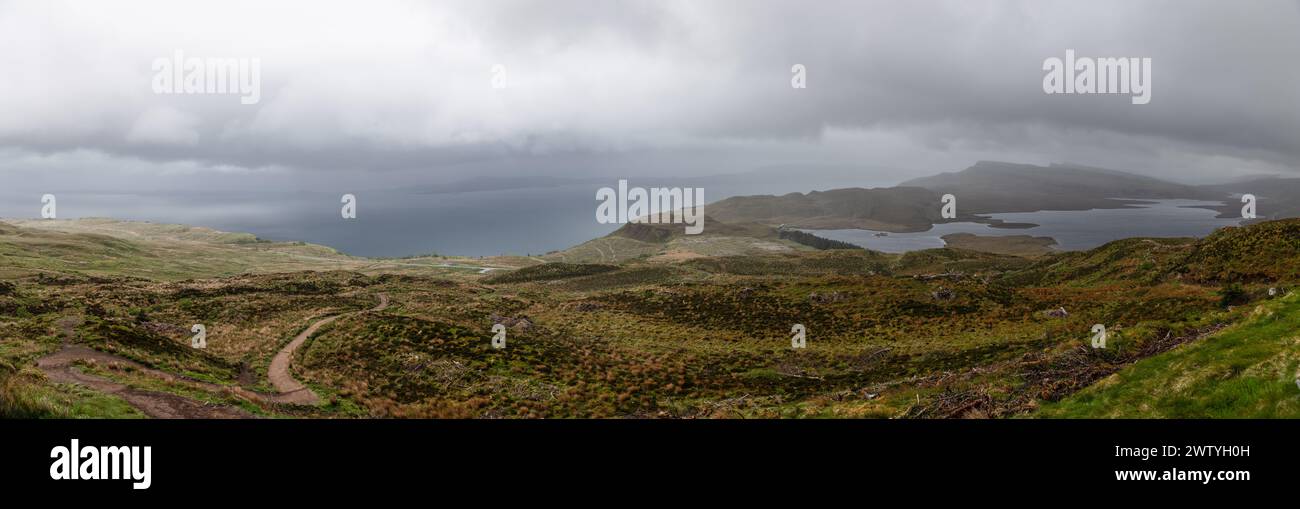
point(1246, 371)
point(668, 243)
point(1259, 253)
point(928, 334)
point(1018, 245)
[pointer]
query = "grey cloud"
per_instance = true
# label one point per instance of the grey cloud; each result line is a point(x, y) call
point(403, 88)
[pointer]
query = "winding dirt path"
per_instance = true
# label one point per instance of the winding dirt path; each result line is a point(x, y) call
point(60, 367)
point(292, 391)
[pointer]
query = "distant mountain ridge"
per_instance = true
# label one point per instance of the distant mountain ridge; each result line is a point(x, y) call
point(1276, 197)
point(984, 188)
point(991, 187)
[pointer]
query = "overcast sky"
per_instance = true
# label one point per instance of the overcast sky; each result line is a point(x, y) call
point(377, 94)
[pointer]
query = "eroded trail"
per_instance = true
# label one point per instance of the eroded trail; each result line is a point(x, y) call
point(291, 390)
point(60, 367)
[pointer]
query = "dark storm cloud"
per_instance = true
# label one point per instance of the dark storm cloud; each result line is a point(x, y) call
point(404, 88)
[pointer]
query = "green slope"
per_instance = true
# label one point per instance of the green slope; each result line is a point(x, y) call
point(1246, 371)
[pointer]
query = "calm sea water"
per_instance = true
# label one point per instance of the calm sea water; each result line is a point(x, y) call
point(1073, 230)
point(541, 219)
point(404, 222)
point(388, 223)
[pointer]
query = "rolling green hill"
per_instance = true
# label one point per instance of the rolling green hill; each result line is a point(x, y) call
point(669, 243)
point(1249, 370)
point(698, 326)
